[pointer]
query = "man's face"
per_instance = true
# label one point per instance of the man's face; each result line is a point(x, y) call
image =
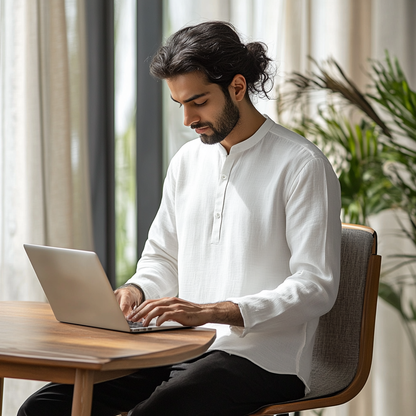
point(207, 109)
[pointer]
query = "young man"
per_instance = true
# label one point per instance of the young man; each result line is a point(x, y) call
point(246, 240)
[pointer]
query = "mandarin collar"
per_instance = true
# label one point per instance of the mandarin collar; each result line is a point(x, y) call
point(251, 141)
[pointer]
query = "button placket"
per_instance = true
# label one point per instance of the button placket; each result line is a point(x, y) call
point(220, 199)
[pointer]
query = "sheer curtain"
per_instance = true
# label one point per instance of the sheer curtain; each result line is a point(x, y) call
point(44, 191)
point(351, 31)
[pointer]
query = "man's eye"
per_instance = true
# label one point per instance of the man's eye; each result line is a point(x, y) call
point(200, 104)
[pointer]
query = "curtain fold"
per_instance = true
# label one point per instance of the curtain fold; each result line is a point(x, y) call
point(44, 186)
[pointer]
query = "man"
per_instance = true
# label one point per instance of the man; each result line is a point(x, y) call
point(246, 240)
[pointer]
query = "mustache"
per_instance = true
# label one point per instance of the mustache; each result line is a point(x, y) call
point(200, 125)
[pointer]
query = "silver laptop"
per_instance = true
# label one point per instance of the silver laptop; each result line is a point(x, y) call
point(79, 292)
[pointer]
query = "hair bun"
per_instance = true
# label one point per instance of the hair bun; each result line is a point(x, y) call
point(215, 49)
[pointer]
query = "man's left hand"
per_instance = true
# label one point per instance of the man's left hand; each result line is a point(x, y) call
point(187, 313)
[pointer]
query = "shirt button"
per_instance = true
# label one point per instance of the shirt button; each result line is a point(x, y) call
point(218, 215)
point(223, 177)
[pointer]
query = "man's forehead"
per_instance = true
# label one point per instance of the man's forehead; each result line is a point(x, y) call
point(193, 76)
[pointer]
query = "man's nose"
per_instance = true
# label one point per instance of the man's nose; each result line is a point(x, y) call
point(190, 117)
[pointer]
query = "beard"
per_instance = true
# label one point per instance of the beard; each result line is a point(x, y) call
point(225, 123)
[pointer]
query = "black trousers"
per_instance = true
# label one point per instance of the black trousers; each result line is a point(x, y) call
point(214, 384)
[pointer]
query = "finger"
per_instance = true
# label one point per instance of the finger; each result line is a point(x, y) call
point(126, 301)
point(141, 312)
point(171, 316)
point(175, 312)
point(157, 316)
point(146, 307)
point(160, 309)
point(160, 315)
point(126, 308)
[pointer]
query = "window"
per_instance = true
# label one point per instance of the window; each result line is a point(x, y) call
point(125, 138)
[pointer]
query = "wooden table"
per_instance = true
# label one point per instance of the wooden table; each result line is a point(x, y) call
point(33, 345)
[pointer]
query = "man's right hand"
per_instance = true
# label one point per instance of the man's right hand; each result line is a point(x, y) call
point(128, 297)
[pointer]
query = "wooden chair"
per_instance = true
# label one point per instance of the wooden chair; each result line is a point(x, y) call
point(344, 342)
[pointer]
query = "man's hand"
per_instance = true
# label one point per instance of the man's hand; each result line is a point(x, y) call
point(128, 297)
point(186, 313)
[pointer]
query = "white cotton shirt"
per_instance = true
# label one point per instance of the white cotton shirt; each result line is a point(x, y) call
point(259, 227)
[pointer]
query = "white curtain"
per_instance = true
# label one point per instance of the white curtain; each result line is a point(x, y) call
point(44, 187)
point(351, 31)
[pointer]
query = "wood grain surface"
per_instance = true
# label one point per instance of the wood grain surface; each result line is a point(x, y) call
point(29, 334)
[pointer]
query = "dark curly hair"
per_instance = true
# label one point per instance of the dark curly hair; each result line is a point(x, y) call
point(215, 49)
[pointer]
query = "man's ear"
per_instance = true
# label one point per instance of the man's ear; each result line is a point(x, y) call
point(238, 87)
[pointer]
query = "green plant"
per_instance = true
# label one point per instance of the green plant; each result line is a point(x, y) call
point(398, 100)
point(374, 154)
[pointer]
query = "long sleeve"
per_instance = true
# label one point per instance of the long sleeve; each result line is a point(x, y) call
point(157, 269)
point(313, 232)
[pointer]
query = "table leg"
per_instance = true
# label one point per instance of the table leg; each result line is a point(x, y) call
point(1, 394)
point(82, 400)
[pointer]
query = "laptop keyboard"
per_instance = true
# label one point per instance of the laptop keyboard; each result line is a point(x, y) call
point(135, 324)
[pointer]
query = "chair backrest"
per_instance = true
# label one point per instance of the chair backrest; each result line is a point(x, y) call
point(337, 345)
point(344, 340)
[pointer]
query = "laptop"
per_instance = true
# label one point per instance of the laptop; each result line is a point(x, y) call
point(79, 291)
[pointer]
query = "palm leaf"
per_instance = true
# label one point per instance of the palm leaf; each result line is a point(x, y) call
point(338, 83)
